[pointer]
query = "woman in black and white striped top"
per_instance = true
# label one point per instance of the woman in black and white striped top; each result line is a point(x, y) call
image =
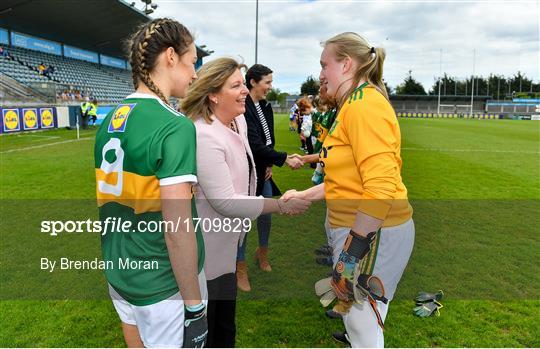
point(260, 122)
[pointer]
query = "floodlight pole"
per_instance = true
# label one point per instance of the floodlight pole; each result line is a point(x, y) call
point(256, 28)
point(440, 73)
point(472, 86)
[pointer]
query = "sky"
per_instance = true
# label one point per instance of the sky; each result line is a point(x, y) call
point(502, 36)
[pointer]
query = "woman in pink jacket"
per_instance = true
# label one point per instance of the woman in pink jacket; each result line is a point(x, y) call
point(225, 192)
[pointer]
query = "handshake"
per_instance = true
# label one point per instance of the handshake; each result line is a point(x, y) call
point(292, 203)
point(295, 161)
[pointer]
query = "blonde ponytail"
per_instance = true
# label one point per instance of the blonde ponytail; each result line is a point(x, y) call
point(370, 61)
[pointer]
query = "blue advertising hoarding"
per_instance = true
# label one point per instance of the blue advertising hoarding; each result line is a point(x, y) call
point(47, 118)
point(27, 119)
point(112, 62)
point(33, 43)
point(11, 120)
point(4, 37)
point(82, 55)
point(102, 112)
point(527, 100)
point(30, 119)
point(513, 104)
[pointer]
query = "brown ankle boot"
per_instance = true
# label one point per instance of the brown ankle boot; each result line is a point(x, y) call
point(242, 280)
point(261, 256)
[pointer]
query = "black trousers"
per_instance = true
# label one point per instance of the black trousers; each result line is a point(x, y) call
point(299, 130)
point(309, 145)
point(221, 312)
point(84, 121)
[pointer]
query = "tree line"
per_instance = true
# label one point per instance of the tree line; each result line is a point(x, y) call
point(496, 86)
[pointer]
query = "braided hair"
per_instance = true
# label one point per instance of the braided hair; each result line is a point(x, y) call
point(148, 42)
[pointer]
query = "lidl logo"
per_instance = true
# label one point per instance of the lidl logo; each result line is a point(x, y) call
point(11, 120)
point(120, 117)
point(30, 121)
point(47, 120)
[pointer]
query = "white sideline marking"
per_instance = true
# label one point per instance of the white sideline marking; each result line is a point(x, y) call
point(46, 145)
point(472, 150)
point(42, 138)
point(18, 136)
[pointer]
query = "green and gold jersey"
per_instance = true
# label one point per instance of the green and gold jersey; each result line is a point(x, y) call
point(141, 145)
point(321, 124)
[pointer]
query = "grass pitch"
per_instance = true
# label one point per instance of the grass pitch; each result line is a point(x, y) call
point(474, 185)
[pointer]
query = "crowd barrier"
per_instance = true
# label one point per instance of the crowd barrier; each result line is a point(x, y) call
point(448, 115)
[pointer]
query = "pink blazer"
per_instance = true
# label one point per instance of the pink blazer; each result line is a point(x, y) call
point(222, 191)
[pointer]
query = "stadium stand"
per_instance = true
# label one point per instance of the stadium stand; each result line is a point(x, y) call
point(101, 82)
point(11, 89)
point(59, 23)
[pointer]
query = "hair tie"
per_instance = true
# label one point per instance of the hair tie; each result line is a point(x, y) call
point(372, 49)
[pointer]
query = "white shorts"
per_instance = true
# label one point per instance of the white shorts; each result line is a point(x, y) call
point(327, 229)
point(388, 258)
point(160, 324)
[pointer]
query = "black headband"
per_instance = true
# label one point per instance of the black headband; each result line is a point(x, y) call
point(372, 50)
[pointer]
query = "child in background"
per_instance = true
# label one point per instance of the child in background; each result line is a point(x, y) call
point(292, 116)
point(322, 120)
point(320, 110)
point(305, 107)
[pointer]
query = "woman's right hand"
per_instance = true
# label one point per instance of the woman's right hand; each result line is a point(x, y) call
point(315, 193)
point(293, 206)
point(289, 194)
point(294, 161)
